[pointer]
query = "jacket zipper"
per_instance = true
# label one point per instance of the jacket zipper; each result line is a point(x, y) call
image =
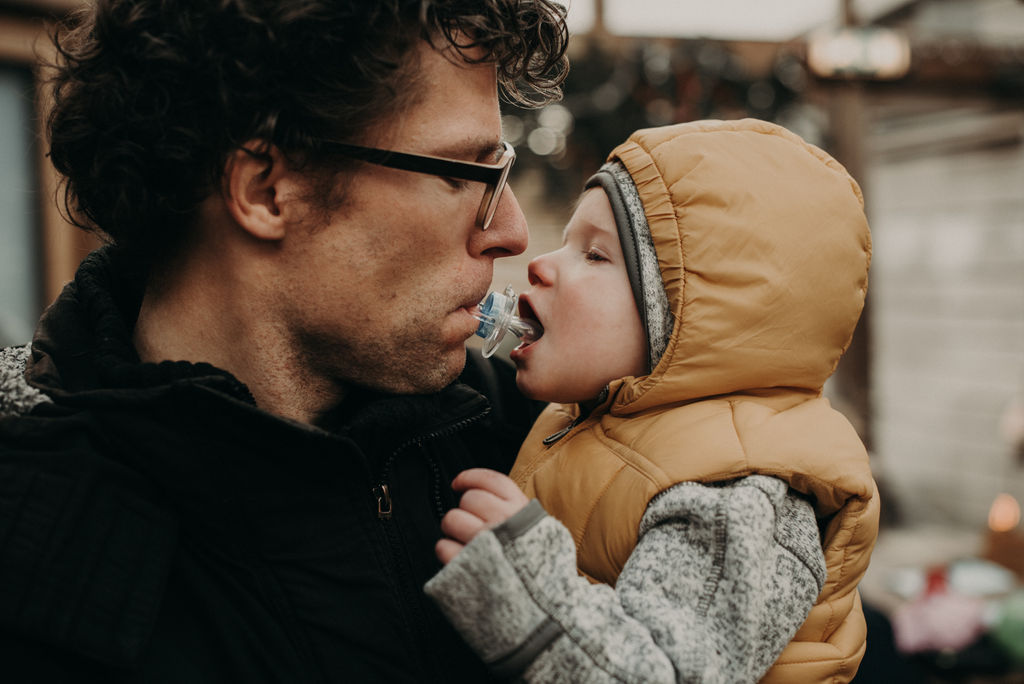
point(415, 620)
point(382, 491)
point(552, 438)
point(383, 494)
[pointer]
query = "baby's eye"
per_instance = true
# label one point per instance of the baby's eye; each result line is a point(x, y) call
point(594, 255)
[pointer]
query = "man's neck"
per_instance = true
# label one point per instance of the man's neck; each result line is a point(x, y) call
point(203, 312)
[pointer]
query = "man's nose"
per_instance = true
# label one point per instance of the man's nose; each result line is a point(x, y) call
point(508, 233)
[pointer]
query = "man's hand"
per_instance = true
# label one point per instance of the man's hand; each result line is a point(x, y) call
point(488, 499)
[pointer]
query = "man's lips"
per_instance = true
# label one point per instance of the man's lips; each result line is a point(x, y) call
point(471, 305)
point(470, 308)
point(472, 301)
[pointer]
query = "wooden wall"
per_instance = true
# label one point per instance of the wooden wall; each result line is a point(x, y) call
point(946, 202)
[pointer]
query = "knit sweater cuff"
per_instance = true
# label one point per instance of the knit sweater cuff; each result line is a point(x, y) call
point(482, 594)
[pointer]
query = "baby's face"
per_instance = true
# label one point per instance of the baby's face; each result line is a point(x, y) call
point(581, 295)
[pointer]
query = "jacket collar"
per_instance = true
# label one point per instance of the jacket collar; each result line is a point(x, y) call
point(83, 356)
point(82, 351)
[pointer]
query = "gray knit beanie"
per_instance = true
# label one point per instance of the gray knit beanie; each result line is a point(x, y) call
point(641, 258)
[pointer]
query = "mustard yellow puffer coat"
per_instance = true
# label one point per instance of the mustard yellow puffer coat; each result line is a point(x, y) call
point(764, 252)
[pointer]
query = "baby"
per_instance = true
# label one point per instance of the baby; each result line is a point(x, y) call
point(694, 509)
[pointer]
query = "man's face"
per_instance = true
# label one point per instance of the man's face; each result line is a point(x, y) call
point(380, 296)
point(581, 295)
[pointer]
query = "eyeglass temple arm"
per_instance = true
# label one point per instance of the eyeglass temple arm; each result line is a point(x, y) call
point(422, 164)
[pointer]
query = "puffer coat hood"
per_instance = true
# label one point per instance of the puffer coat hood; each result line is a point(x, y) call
point(764, 252)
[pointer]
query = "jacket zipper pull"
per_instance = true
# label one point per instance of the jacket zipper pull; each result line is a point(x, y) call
point(551, 439)
point(383, 495)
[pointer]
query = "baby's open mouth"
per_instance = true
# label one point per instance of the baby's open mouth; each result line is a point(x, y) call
point(529, 316)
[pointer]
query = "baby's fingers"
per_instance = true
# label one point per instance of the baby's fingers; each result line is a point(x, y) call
point(488, 507)
point(491, 481)
point(461, 525)
point(447, 549)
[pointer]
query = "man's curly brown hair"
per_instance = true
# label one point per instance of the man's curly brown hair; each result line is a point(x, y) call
point(151, 96)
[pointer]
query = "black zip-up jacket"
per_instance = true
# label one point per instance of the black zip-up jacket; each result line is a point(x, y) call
point(156, 526)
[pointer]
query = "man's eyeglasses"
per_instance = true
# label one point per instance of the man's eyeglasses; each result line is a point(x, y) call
point(493, 176)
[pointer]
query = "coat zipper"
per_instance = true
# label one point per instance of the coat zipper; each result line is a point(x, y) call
point(382, 491)
point(415, 620)
point(383, 494)
point(552, 438)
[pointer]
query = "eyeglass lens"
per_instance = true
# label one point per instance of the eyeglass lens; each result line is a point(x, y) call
point(492, 193)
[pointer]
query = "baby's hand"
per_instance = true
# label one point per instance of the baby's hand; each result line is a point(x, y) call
point(488, 499)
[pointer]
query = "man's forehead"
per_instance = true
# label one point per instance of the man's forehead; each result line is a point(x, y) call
point(454, 112)
point(434, 64)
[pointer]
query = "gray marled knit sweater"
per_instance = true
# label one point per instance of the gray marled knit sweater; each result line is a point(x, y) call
point(721, 578)
point(16, 395)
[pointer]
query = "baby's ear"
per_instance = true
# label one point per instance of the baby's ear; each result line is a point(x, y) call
point(256, 178)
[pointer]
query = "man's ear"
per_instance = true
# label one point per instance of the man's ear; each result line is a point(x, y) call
point(255, 176)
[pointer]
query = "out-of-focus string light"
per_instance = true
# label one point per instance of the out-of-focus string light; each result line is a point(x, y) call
point(874, 53)
point(1004, 515)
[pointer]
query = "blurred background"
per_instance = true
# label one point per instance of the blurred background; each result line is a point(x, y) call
point(923, 101)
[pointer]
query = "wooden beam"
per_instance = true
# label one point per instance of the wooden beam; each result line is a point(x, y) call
point(19, 38)
point(25, 42)
point(49, 7)
point(852, 378)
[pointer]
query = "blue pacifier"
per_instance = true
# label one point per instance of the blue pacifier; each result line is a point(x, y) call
point(497, 316)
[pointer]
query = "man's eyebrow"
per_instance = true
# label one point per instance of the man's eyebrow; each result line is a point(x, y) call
point(483, 151)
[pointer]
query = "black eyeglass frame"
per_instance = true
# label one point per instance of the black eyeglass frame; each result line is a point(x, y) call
point(493, 176)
